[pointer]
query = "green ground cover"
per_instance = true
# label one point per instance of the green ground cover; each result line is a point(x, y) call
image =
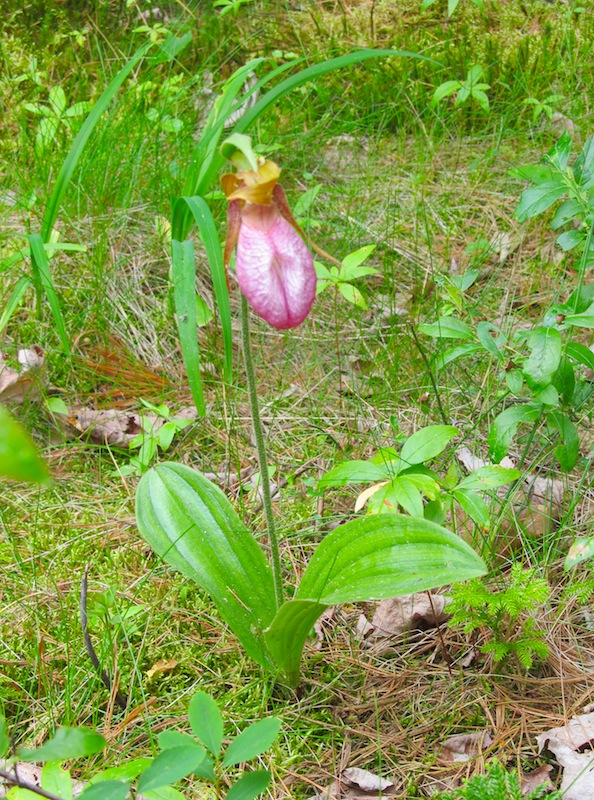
point(429, 185)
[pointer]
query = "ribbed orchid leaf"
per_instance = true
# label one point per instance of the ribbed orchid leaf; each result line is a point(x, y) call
point(191, 525)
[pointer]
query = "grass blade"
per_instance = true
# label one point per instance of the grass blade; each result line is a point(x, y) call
point(210, 239)
point(41, 268)
point(184, 298)
point(14, 300)
point(75, 152)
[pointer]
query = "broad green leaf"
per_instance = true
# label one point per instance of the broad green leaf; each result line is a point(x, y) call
point(537, 199)
point(581, 354)
point(352, 294)
point(489, 477)
point(43, 275)
point(584, 163)
point(375, 557)
point(443, 359)
point(585, 320)
point(474, 505)
point(566, 212)
point(14, 301)
point(514, 380)
point(535, 173)
point(505, 426)
point(172, 47)
point(66, 743)
point(206, 721)
point(18, 455)
point(427, 443)
point(167, 792)
point(568, 452)
point(492, 344)
point(404, 493)
point(169, 739)
point(369, 558)
point(445, 90)
point(358, 256)
point(580, 550)
point(184, 295)
point(564, 380)
point(570, 239)
point(56, 780)
point(558, 155)
point(126, 772)
point(189, 522)
point(424, 483)
point(447, 328)
point(252, 741)
point(549, 396)
point(249, 786)
point(545, 345)
point(171, 766)
point(105, 790)
point(452, 6)
point(80, 141)
point(288, 633)
point(354, 472)
point(480, 97)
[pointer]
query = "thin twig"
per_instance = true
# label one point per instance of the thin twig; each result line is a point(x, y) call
point(121, 701)
point(16, 781)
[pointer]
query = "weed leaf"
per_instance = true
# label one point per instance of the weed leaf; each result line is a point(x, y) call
point(171, 766)
point(249, 786)
point(252, 741)
point(206, 722)
point(65, 744)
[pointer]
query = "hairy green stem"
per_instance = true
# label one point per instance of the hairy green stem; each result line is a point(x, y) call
point(261, 450)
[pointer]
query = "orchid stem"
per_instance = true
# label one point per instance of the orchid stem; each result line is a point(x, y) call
point(261, 451)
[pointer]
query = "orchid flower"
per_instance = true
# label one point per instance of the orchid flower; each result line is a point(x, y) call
point(274, 268)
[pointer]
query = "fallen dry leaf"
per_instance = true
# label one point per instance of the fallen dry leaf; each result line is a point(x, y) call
point(112, 425)
point(566, 743)
point(162, 665)
point(531, 781)
point(396, 615)
point(365, 780)
point(17, 386)
point(464, 746)
point(31, 773)
point(357, 784)
point(323, 620)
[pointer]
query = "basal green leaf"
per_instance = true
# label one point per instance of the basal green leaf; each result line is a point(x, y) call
point(206, 721)
point(566, 212)
point(375, 557)
point(427, 443)
point(585, 320)
point(568, 452)
point(189, 522)
point(570, 239)
point(581, 354)
point(443, 359)
point(354, 472)
point(252, 741)
point(288, 633)
point(505, 426)
point(545, 345)
point(65, 744)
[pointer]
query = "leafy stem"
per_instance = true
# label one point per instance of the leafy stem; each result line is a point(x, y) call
point(261, 451)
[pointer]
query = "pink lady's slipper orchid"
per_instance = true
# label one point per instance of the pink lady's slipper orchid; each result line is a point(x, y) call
point(274, 268)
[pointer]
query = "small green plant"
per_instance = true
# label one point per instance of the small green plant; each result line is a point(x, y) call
point(19, 460)
point(401, 479)
point(470, 89)
point(55, 115)
point(453, 5)
point(504, 616)
point(229, 6)
point(497, 784)
point(182, 755)
point(158, 432)
point(544, 106)
point(341, 278)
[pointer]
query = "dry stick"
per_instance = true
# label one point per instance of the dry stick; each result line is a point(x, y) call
point(12, 777)
point(89, 645)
